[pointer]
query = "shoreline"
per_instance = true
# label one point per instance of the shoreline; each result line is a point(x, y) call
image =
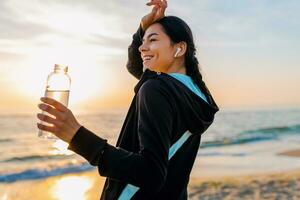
point(255, 186)
point(291, 153)
point(88, 185)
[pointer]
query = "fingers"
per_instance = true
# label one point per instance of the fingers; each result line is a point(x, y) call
point(165, 3)
point(160, 3)
point(159, 6)
point(156, 13)
point(51, 129)
point(56, 104)
point(49, 120)
point(52, 111)
point(162, 10)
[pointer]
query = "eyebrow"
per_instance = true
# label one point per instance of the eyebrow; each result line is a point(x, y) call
point(150, 35)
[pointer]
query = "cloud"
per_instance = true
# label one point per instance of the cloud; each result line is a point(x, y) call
point(15, 27)
point(7, 56)
point(113, 42)
point(230, 23)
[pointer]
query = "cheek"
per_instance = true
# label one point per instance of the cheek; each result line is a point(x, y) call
point(165, 56)
point(162, 53)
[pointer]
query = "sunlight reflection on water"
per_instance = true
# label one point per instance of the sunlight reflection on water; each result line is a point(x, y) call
point(60, 148)
point(4, 197)
point(73, 187)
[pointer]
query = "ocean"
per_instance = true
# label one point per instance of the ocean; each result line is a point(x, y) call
point(239, 141)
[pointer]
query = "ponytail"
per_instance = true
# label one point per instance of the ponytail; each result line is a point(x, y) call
point(192, 69)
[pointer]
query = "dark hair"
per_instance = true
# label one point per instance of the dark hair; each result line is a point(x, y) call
point(179, 31)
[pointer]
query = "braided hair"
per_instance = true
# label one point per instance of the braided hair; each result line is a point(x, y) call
point(179, 31)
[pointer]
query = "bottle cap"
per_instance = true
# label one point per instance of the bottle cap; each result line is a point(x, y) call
point(58, 67)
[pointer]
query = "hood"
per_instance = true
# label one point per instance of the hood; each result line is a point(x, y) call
point(197, 113)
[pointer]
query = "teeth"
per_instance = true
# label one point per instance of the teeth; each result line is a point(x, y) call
point(147, 57)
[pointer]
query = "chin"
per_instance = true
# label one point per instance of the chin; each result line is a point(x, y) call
point(149, 67)
point(152, 67)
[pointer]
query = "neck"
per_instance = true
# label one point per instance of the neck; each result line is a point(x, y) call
point(177, 67)
point(181, 71)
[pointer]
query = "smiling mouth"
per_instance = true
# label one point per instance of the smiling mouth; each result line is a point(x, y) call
point(147, 58)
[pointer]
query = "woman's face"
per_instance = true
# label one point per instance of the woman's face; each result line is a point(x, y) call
point(156, 50)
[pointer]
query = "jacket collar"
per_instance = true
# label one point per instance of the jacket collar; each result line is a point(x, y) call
point(147, 74)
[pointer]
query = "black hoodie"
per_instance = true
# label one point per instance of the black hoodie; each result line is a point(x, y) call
point(162, 110)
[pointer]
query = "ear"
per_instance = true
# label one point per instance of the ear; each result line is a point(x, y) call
point(180, 49)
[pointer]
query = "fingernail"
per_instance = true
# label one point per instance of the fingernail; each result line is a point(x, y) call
point(42, 106)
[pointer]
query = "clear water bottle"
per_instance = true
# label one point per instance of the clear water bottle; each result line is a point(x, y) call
point(58, 88)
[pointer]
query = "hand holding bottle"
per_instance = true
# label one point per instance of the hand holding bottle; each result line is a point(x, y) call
point(158, 12)
point(58, 88)
point(65, 124)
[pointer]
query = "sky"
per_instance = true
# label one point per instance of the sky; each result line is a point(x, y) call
point(248, 50)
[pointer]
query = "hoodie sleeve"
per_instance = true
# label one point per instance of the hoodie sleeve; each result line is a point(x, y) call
point(135, 63)
point(147, 168)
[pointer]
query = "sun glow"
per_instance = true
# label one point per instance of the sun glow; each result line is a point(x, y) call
point(61, 148)
point(73, 187)
point(68, 42)
point(87, 79)
point(4, 197)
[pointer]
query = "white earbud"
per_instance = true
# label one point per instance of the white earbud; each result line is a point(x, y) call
point(178, 50)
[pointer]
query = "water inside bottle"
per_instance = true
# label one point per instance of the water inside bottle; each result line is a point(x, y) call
point(63, 97)
point(59, 95)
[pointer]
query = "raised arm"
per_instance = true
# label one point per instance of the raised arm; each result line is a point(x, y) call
point(135, 63)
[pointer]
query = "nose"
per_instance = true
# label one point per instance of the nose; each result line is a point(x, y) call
point(143, 47)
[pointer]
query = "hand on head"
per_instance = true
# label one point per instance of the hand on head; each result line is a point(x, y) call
point(157, 12)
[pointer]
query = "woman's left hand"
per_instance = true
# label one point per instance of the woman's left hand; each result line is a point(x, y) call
point(64, 124)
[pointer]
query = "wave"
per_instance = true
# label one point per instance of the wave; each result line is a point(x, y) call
point(239, 139)
point(43, 173)
point(5, 140)
point(210, 154)
point(34, 157)
point(256, 135)
point(277, 130)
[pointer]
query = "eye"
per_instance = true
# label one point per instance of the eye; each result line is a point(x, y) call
point(151, 40)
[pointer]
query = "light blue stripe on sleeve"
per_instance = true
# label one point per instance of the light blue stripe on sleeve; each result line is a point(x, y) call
point(174, 148)
point(130, 190)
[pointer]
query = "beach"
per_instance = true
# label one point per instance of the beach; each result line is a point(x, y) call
point(269, 186)
point(243, 155)
point(88, 186)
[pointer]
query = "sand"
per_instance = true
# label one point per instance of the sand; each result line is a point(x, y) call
point(294, 153)
point(281, 186)
point(88, 186)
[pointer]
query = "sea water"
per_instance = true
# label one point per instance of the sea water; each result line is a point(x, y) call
point(237, 142)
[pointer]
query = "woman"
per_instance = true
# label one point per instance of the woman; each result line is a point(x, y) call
point(161, 134)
